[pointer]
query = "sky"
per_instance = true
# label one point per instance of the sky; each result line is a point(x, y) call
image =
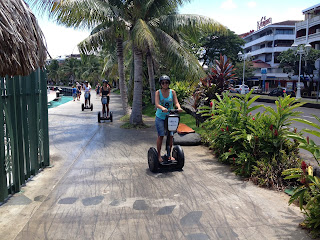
point(239, 16)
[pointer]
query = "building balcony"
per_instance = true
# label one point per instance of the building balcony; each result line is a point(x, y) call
point(315, 37)
point(312, 22)
point(269, 38)
point(268, 50)
point(259, 41)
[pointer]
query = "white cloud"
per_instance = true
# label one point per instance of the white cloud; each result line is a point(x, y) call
point(228, 4)
point(61, 40)
point(252, 4)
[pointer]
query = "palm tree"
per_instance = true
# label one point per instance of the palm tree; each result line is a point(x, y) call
point(151, 29)
point(99, 37)
point(148, 28)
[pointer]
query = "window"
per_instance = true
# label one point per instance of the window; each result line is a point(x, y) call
point(268, 57)
point(284, 31)
point(276, 54)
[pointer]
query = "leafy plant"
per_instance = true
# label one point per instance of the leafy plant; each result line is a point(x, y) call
point(215, 82)
point(256, 145)
point(307, 143)
point(310, 184)
point(182, 89)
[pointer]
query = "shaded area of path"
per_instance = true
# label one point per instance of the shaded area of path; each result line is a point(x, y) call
point(100, 188)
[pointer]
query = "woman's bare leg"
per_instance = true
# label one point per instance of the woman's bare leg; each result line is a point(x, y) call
point(159, 144)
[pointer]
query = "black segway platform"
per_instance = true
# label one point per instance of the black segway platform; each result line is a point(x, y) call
point(83, 107)
point(171, 125)
point(102, 118)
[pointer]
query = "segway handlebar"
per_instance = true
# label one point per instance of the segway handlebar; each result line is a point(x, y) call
point(173, 111)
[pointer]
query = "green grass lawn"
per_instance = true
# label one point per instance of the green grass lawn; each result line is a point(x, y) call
point(149, 110)
point(116, 91)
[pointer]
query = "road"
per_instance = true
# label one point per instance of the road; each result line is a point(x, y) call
point(99, 187)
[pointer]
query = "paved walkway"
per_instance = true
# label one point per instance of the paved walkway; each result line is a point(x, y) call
point(99, 187)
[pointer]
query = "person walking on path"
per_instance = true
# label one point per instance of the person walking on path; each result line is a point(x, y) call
point(74, 92)
point(78, 91)
point(165, 98)
point(105, 97)
point(98, 89)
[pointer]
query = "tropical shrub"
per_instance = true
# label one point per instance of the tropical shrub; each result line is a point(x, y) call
point(216, 82)
point(183, 90)
point(309, 191)
point(256, 145)
point(311, 188)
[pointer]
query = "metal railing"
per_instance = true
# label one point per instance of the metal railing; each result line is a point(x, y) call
point(24, 137)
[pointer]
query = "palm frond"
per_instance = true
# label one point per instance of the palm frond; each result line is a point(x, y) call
point(188, 23)
point(109, 61)
point(143, 35)
point(78, 13)
point(180, 56)
point(95, 41)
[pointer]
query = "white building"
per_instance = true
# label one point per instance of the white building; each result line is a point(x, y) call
point(265, 45)
point(308, 31)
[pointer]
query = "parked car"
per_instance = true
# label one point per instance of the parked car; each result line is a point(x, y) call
point(281, 91)
point(256, 89)
point(238, 88)
point(232, 90)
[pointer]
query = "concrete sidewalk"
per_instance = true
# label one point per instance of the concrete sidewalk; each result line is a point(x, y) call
point(99, 187)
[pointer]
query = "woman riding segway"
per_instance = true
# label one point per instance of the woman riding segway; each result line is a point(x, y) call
point(87, 94)
point(165, 98)
point(105, 98)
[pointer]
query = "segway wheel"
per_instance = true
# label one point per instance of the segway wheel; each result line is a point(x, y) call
point(178, 154)
point(82, 107)
point(91, 107)
point(99, 119)
point(153, 160)
point(111, 117)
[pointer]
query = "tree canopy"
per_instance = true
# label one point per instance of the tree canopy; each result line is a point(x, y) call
point(211, 46)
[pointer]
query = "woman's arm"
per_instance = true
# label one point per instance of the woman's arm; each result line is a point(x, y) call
point(175, 101)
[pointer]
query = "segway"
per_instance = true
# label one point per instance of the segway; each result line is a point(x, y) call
point(171, 125)
point(104, 100)
point(83, 106)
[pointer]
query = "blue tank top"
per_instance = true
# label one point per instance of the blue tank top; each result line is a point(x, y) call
point(165, 102)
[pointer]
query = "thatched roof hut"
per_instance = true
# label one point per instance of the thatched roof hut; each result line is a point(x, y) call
point(22, 45)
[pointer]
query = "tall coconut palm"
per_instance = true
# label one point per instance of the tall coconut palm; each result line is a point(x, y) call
point(149, 27)
point(103, 33)
point(152, 29)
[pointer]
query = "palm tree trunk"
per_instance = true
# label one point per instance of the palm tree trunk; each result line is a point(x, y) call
point(136, 114)
point(151, 77)
point(123, 90)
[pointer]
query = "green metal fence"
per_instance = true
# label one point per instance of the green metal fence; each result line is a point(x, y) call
point(24, 138)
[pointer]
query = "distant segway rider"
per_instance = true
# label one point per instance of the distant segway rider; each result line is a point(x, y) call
point(165, 99)
point(105, 97)
point(98, 89)
point(87, 95)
